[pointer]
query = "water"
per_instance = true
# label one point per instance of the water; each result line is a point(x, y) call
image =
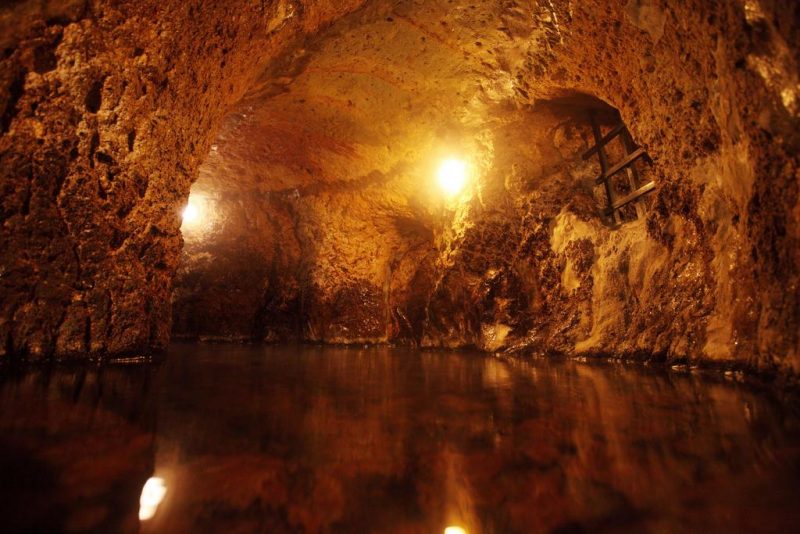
point(293, 439)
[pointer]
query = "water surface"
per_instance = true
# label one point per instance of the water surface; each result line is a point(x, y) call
point(310, 439)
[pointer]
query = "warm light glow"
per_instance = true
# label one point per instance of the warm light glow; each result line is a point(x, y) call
point(195, 215)
point(152, 494)
point(453, 178)
point(190, 213)
point(455, 530)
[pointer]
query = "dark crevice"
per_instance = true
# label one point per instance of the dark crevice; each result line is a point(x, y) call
point(94, 98)
point(59, 21)
point(26, 200)
point(124, 210)
point(104, 158)
point(78, 265)
point(94, 142)
point(109, 322)
point(87, 334)
point(131, 140)
point(15, 91)
point(140, 183)
point(44, 56)
point(117, 239)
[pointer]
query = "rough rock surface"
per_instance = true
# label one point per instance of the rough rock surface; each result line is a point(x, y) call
point(107, 110)
point(323, 219)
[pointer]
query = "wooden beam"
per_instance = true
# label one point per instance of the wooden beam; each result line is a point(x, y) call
point(601, 153)
point(624, 201)
point(606, 175)
point(604, 141)
point(633, 174)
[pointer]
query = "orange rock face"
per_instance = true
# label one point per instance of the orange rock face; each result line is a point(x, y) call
point(107, 111)
point(312, 133)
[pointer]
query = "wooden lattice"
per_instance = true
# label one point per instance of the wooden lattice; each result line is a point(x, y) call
point(608, 171)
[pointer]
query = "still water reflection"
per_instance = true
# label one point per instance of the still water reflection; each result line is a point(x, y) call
point(306, 439)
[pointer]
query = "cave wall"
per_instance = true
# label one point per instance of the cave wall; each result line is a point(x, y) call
point(348, 127)
point(238, 260)
point(325, 146)
point(318, 264)
point(107, 110)
point(715, 104)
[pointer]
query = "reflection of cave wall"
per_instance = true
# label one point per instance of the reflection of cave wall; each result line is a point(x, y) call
point(78, 445)
point(357, 417)
point(107, 112)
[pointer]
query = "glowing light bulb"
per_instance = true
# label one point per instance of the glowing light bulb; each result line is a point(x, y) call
point(152, 494)
point(452, 176)
point(190, 214)
point(455, 530)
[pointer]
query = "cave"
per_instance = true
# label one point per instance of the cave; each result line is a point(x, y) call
point(399, 265)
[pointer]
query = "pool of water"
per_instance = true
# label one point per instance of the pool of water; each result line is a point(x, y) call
point(311, 439)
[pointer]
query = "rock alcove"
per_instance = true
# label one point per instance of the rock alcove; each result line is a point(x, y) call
point(309, 133)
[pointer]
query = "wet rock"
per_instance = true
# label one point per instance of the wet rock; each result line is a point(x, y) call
point(320, 145)
point(85, 217)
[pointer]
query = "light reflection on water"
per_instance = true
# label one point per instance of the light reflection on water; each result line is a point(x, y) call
point(282, 439)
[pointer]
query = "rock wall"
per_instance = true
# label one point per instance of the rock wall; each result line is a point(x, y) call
point(239, 261)
point(107, 110)
point(319, 156)
point(348, 131)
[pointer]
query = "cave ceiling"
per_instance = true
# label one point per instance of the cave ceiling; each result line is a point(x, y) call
point(393, 83)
